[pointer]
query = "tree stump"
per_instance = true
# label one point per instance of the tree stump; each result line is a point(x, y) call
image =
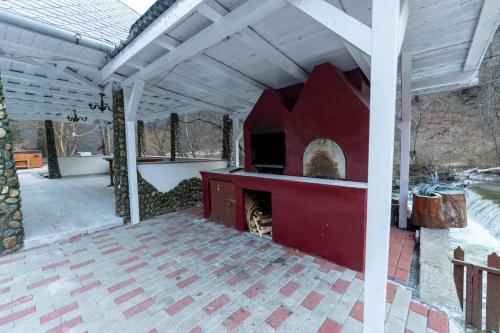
point(455, 209)
point(441, 211)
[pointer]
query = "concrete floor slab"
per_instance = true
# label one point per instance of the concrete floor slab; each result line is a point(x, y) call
point(55, 209)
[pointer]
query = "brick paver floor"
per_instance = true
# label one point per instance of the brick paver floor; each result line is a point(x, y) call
point(180, 273)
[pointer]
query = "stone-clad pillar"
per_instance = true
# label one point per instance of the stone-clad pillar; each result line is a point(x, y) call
point(175, 137)
point(227, 133)
point(54, 171)
point(122, 207)
point(11, 227)
point(141, 140)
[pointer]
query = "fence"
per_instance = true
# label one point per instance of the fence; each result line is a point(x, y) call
point(469, 280)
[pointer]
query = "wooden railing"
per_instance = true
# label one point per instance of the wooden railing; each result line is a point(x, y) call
point(470, 284)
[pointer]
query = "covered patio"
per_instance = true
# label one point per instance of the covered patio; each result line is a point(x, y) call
point(179, 272)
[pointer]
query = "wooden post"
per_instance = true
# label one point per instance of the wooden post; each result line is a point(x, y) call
point(384, 70)
point(493, 295)
point(404, 170)
point(458, 274)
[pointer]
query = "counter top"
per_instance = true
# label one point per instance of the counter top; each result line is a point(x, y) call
point(322, 181)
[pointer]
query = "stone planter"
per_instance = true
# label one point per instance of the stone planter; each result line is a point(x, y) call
point(440, 211)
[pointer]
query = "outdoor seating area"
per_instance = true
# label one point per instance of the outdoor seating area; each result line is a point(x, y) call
point(180, 273)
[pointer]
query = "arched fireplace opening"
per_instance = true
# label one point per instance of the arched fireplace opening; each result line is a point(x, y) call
point(324, 158)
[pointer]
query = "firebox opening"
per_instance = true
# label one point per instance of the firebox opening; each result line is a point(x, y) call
point(258, 212)
point(268, 152)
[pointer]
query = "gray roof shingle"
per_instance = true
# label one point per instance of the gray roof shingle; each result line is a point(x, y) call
point(156, 9)
point(104, 20)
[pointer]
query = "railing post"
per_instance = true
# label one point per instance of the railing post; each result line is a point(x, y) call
point(458, 274)
point(493, 295)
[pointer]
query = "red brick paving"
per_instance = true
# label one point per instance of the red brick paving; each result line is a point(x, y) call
point(216, 304)
point(289, 288)
point(402, 243)
point(312, 300)
point(179, 305)
point(235, 319)
point(138, 308)
point(226, 262)
point(330, 326)
point(58, 313)
point(277, 317)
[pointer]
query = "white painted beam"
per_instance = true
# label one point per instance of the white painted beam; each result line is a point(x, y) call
point(237, 134)
point(384, 67)
point(132, 98)
point(241, 17)
point(35, 52)
point(458, 79)
point(486, 27)
point(403, 21)
point(73, 75)
point(182, 79)
point(45, 80)
point(344, 25)
point(215, 12)
point(226, 70)
point(164, 22)
point(166, 113)
point(404, 167)
point(185, 99)
point(360, 58)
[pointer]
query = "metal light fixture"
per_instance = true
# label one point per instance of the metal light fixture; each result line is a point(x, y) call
point(102, 107)
point(76, 117)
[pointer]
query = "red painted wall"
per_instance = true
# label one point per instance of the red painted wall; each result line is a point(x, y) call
point(328, 221)
point(330, 105)
point(323, 220)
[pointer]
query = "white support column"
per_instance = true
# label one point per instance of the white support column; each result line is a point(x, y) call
point(237, 133)
point(384, 69)
point(132, 98)
point(404, 172)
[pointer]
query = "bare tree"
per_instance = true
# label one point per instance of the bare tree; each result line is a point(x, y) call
point(422, 105)
point(488, 94)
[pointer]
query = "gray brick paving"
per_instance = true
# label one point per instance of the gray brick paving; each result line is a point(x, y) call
point(180, 244)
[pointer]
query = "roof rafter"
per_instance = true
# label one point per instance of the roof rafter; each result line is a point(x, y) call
point(46, 80)
point(163, 23)
point(486, 26)
point(246, 14)
point(215, 12)
point(344, 25)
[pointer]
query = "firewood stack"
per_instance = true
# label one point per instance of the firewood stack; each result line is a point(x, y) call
point(258, 219)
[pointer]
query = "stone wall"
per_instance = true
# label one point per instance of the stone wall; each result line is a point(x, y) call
point(11, 227)
point(185, 195)
point(227, 134)
point(141, 140)
point(53, 163)
point(120, 156)
point(175, 137)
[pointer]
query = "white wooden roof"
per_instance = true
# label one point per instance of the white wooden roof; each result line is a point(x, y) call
point(220, 55)
point(224, 53)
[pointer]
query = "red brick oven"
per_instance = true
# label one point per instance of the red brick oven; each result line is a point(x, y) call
point(306, 149)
